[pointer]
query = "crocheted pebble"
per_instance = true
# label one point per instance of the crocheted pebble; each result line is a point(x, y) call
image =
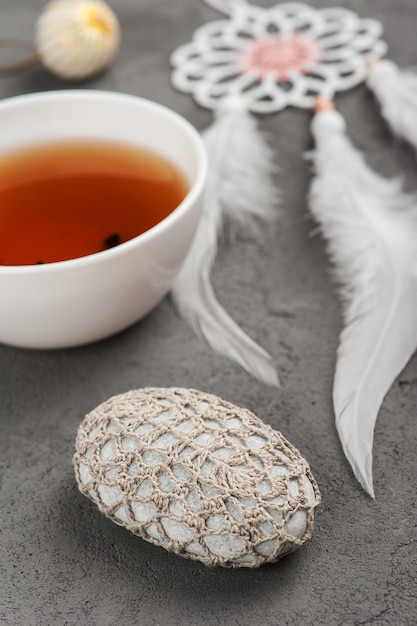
point(196, 475)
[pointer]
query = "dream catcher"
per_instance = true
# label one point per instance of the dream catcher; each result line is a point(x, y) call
point(261, 60)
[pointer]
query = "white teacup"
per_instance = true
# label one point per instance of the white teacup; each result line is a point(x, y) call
point(70, 303)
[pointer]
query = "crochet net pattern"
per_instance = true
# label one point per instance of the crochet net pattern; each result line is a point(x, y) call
point(197, 475)
point(286, 55)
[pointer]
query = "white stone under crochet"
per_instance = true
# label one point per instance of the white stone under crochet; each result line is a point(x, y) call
point(272, 58)
point(196, 475)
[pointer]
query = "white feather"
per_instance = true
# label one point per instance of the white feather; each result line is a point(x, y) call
point(396, 91)
point(240, 188)
point(371, 228)
point(224, 6)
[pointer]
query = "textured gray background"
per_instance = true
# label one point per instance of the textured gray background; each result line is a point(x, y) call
point(61, 561)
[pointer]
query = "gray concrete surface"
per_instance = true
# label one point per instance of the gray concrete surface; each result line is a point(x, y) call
point(61, 561)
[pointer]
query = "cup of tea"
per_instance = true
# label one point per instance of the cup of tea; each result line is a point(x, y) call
point(100, 196)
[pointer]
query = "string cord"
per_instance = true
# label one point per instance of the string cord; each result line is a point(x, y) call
point(27, 62)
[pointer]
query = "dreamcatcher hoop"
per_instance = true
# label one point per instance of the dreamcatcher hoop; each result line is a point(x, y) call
point(287, 55)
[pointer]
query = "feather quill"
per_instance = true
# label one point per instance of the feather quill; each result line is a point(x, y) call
point(371, 228)
point(239, 188)
point(396, 91)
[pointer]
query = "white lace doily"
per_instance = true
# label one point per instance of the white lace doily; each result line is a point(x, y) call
point(272, 58)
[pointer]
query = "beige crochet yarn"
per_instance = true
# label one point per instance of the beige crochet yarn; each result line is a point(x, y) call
point(196, 475)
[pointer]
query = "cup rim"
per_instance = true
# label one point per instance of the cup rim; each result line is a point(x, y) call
point(192, 195)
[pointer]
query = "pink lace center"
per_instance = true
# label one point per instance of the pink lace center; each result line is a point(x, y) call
point(279, 55)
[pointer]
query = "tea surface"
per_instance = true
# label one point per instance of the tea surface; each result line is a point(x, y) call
point(67, 200)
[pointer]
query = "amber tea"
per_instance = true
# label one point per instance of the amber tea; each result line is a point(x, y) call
point(67, 200)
